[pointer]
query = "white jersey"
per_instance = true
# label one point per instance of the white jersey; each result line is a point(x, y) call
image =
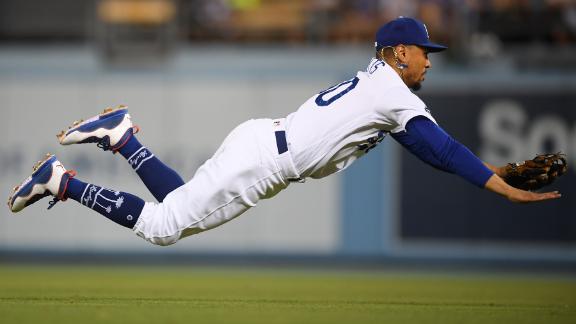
point(260, 158)
point(334, 128)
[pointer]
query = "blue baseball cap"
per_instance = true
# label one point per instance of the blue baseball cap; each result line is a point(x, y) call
point(407, 31)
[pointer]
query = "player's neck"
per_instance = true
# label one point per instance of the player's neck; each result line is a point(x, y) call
point(395, 67)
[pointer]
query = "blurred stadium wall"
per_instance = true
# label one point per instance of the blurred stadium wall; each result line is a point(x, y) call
point(189, 78)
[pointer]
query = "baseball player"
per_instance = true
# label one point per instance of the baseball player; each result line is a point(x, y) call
point(261, 157)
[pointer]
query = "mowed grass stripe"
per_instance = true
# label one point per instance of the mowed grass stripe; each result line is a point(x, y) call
point(185, 295)
point(83, 300)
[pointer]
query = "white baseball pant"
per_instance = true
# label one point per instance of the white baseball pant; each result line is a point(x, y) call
point(251, 164)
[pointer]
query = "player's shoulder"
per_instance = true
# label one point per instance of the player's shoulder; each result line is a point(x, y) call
point(388, 81)
point(386, 87)
point(397, 95)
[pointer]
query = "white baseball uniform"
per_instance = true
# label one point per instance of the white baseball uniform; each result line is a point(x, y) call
point(259, 158)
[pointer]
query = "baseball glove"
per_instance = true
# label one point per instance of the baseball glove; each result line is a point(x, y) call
point(536, 173)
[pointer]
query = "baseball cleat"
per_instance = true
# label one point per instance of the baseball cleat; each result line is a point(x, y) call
point(110, 130)
point(49, 178)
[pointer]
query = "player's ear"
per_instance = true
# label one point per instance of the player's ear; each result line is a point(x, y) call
point(401, 53)
point(381, 54)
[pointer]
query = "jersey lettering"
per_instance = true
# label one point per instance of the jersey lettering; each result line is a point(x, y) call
point(320, 101)
point(374, 66)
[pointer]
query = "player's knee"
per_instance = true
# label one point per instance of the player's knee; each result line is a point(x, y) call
point(160, 240)
point(164, 241)
point(157, 225)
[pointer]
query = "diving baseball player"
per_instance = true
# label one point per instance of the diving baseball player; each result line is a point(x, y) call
point(261, 157)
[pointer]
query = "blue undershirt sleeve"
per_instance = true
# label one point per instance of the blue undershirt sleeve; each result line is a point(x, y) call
point(433, 145)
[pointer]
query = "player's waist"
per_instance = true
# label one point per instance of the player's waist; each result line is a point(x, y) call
point(284, 157)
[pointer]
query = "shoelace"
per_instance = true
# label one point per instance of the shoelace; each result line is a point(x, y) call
point(104, 143)
point(53, 202)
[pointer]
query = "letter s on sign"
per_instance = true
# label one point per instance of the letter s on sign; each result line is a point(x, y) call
point(501, 125)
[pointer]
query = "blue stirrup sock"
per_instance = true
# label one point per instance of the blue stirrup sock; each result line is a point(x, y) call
point(158, 177)
point(120, 207)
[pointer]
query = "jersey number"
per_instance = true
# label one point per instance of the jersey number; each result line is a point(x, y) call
point(321, 101)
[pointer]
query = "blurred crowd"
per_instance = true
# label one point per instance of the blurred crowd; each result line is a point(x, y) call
point(517, 21)
point(457, 23)
point(346, 21)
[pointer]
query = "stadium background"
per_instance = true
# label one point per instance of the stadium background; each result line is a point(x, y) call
point(191, 70)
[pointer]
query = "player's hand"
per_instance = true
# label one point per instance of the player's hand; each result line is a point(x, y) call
point(521, 196)
point(497, 185)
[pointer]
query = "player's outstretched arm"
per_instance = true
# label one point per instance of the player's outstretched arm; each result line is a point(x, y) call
point(497, 185)
point(432, 145)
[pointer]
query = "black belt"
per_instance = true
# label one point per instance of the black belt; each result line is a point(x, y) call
point(281, 142)
point(282, 146)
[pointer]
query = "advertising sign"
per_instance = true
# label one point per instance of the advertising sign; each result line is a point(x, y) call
point(499, 128)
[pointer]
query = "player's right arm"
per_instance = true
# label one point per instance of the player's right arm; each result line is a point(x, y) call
point(431, 144)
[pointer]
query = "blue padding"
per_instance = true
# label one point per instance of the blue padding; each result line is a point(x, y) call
point(281, 141)
point(433, 145)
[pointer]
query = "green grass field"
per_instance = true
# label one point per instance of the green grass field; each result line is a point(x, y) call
point(186, 295)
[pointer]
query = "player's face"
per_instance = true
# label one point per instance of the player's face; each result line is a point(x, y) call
point(418, 63)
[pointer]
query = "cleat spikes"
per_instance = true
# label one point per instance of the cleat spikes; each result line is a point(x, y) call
point(39, 163)
point(12, 195)
point(111, 110)
point(77, 122)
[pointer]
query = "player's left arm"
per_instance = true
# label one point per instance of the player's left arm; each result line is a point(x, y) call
point(433, 145)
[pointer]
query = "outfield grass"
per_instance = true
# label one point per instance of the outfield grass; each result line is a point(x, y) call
point(187, 295)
